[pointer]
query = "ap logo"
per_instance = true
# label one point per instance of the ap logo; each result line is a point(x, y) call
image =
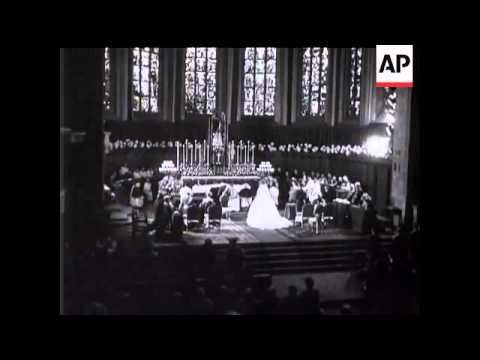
point(394, 66)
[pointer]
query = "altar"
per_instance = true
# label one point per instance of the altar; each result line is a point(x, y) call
point(216, 156)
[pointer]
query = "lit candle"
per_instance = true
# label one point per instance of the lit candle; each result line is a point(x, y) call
point(208, 155)
point(194, 150)
point(178, 154)
point(245, 156)
point(248, 150)
point(191, 157)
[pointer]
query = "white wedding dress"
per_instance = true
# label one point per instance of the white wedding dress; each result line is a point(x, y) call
point(263, 213)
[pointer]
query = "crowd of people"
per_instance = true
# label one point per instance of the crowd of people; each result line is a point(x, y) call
point(198, 281)
point(173, 198)
point(204, 280)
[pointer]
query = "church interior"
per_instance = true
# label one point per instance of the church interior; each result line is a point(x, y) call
point(237, 181)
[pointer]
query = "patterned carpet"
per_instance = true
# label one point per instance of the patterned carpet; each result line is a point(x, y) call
point(306, 233)
point(220, 236)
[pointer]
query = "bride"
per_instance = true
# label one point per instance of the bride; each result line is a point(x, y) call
point(263, 213)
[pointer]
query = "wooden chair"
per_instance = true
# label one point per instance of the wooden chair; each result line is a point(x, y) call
point(214, 215)
point(305, 214)
point(139, 217)
point(290, 210)
point(192, 216)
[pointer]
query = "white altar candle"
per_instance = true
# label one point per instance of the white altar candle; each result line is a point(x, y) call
point(178, 154)
point(238, 154)
point(248, 151)
point(194, 150)
point(253, 155)
point(191, 158)
point(208, 154)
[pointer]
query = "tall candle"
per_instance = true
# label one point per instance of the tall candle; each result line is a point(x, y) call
point(248, 150)
point(208, 155)
point(191, 158)
point(186, 152)
point(194, 150)
point(178, 154)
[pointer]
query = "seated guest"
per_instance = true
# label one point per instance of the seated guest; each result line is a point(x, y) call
point(178, 226)
point(304, 178)
point(207, 256)
point(323, 179)
point(235, 256)
point(329, 193)
point(201, 304)
point(185, 191)
point(329, 178)
point(185, 204)
point(177, 183)
point(124, 171)
point(291, 304)
point(310, 298)
point(207, 201)
point(162, 220)
point(345, 185)
point(333, 183)
point(355, 197)
point(319, 206)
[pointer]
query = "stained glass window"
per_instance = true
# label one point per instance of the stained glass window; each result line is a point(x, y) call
point(200, 80)
point(355, 77)
point(146, 65)
point(314, 81)
point(259, 81)
point(107, 83)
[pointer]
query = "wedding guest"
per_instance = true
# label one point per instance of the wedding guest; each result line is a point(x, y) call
point(185, 191)
point(291, 305)
point(355, 197)
point(178, 226)
point(124, 171)
point(235, 256)
point(136, 195)
point(201, 304)
point(147, 190)
point(207, 256)
point(310, 297)
point(370, 222)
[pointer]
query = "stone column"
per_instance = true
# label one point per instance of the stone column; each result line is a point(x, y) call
point(401, 140)
point(281, 86)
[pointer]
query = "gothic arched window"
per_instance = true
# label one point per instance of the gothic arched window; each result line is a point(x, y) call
point(146, 64)
point(354, 83)
point(259, 81)
point(200, 80)
point(314, 81)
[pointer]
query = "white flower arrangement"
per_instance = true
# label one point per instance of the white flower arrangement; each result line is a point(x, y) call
point(332, 149)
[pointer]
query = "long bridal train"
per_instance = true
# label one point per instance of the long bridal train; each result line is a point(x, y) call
point(263, 213)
